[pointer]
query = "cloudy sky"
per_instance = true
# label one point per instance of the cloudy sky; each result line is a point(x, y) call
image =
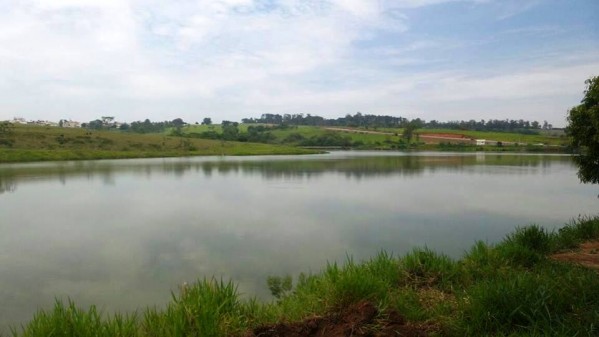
point(229, 59)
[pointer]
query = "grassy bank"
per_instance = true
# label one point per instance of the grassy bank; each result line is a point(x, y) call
point(512, 288)
point(39, 143)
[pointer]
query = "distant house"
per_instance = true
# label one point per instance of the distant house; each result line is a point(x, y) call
point(19, 120)
point(481, 142)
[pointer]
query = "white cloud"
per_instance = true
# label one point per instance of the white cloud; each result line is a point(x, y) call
point(233, 58)
point(531, 83)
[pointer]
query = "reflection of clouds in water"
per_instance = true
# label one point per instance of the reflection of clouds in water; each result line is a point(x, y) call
point(127, 245)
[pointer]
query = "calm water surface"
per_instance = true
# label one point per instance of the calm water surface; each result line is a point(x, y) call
point(121, 234)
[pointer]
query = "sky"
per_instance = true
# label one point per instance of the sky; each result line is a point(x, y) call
point(232, 59)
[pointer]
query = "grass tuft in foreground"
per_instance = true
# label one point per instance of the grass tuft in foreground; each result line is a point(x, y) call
point(512, 288)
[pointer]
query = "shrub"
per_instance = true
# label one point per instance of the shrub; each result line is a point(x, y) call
point(353, 283)
point(424, 267)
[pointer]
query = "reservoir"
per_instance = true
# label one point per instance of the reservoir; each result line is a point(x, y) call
point(123, 234)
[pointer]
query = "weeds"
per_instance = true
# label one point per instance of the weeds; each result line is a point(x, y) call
point(423, 267)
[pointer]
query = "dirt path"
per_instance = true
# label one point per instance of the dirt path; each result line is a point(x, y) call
point(586, 255)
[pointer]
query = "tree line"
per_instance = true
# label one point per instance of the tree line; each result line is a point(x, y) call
point(146, 126)
point(356, 120)
point(378, 121)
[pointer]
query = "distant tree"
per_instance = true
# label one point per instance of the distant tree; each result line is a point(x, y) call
point(230, 130)
point(583, 128)
point(95, 125)
point(410, 128)
point(107, 120)
point(207, 121)
point(178, 122)
point(6, 134)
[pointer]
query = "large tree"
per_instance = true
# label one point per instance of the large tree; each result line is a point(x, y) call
point(583, 129)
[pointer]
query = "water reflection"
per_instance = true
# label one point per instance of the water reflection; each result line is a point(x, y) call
point(351, 165)
point(7, 184)
point(120, 234)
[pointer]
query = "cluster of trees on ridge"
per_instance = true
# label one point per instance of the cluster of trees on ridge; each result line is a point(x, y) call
point(356, 120)
point(147, 126)
point(374, 121)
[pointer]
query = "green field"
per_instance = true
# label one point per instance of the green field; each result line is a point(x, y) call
point(386, 138)
point(37, 143)
point(504, 136)
point(512, 288)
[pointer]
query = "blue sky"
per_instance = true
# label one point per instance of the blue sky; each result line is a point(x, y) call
point(229, 59)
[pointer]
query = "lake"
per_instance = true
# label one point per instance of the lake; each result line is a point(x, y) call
point(122, 234)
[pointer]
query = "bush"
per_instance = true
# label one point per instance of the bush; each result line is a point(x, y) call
point(355, 282)
point(423, 267)
point(552, 301)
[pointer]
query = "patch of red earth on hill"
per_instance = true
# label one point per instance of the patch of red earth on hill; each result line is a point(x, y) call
point(361, 319)
point(586, 255)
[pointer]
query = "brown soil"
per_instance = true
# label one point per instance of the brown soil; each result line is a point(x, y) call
point(361, 319)
point(586, 255)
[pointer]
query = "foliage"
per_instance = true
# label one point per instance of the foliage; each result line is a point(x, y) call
point(279, 286)
point(230, 131)
point(424, 267)
point(6, 134)
point(410, 129)
point(583, 128)
point(378, 121)
point(332, 139)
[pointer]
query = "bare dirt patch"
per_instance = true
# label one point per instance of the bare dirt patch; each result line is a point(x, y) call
point(361, 319)
point(586, 255)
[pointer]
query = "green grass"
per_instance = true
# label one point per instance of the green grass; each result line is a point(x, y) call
point(503, 136)
point(393, 140)
point(507, 289)
point(37, 143)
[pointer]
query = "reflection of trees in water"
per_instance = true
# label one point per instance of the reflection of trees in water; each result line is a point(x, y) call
point(300, 168)
point(7, 184)
point(374, 166)
point(10, 177)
